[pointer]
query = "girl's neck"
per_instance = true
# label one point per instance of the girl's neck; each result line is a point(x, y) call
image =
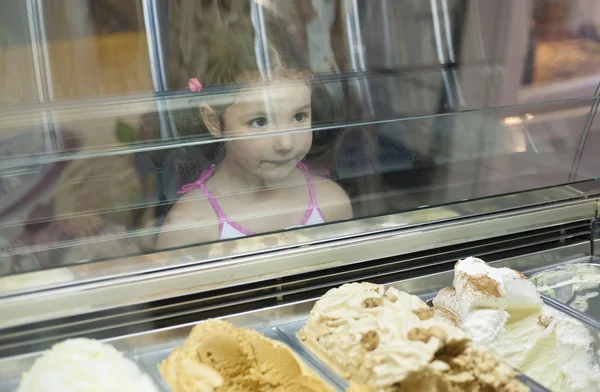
point(240, 178)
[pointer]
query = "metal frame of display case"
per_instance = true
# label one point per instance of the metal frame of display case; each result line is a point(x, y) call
point(585, 135)
point(42, 73)
point(157, 62)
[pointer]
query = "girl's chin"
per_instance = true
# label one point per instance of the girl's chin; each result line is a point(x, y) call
point(277, 173)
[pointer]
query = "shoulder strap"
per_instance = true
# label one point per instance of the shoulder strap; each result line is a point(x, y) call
point(311, 185)
point(200, 183)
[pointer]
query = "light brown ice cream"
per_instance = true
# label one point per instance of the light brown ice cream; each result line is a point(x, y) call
point(218, 357)
point(388, 341)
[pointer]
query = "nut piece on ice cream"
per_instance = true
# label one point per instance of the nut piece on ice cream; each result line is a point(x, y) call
point(424, 314)
point(502, 310)
point(84, 365)
point(219, 357)
point(392, 341)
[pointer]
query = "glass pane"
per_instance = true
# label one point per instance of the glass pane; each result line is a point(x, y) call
point(309, 112)
point(274, 176)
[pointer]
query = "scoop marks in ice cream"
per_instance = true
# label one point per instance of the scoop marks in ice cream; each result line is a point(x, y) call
point(388, 340)
point(84, 365)
point(502, 310)
point(219, 357)
point(576, 285)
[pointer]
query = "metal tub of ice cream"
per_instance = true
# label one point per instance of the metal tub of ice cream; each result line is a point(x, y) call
point(576, 285)
point(552, 343)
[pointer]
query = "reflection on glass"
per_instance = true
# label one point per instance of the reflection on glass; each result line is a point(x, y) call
point(567, 40)
point(96, 48)
point(76, 49)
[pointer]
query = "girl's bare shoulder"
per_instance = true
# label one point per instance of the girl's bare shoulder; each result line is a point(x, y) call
point(332, 199)
point(190, 221)
point(194, 205)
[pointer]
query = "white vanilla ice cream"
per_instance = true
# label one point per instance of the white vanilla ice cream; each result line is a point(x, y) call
point(502, 310)
point(79, 365)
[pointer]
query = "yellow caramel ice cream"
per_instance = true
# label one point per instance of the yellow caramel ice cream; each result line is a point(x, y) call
point(502, 310)
point(219, 357)
point(392, 341)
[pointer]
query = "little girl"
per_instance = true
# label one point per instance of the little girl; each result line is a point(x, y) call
point(261, 184)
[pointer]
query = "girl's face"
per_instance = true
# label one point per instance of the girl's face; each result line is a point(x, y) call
point(278, 109)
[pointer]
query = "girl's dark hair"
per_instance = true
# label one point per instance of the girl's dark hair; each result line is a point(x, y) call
point(216, 42)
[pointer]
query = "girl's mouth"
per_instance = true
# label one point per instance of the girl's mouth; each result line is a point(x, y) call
point(280, 163)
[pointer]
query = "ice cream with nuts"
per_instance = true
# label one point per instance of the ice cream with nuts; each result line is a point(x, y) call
point(217, 357)
point(388, 340)
point(502, 310)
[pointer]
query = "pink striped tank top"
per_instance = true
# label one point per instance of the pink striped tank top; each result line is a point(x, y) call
point(229, 228)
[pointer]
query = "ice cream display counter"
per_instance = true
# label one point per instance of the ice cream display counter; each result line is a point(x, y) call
point(559, 334)
point(323, 195)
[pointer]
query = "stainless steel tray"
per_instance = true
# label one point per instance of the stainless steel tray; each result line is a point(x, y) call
point(571, 294)
point(149, 362)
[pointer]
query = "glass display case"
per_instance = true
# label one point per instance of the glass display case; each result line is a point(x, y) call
point(168, 161)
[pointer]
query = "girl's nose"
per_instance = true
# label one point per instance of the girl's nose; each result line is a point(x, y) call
point(283, 144)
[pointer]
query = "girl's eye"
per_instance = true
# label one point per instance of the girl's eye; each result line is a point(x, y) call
point(259, 122)
point(300, 117)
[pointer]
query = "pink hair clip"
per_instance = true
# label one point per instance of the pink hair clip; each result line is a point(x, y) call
point(195, 85)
